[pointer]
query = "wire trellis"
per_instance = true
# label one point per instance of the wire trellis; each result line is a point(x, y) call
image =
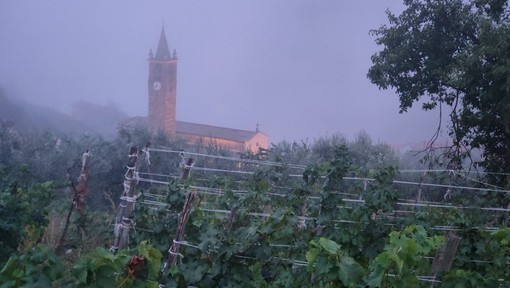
point(156, 199)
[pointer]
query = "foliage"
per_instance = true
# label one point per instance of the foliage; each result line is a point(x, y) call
point(365, 155)
point(492, 254)
point(336, 224)
point(23, 216)
point(453, 53)
point(37, 267)
point(105, 269)
point(398, 265)
point(156, 224)
point(331, 267)
point(402, 259)
point(260, 249)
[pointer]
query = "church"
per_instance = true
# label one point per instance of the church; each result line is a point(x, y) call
point(162, 95)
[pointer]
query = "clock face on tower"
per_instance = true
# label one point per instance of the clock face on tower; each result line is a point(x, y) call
point(156, 85)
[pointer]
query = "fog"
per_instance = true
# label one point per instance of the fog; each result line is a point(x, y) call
point(296, 67)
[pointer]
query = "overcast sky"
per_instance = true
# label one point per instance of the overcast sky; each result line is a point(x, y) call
point(296, 67)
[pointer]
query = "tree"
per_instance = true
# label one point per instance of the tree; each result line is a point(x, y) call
point(23, 216)
point(367, 155)
point(453, 53)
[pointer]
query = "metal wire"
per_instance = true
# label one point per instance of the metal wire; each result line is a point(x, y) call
point(279, 164)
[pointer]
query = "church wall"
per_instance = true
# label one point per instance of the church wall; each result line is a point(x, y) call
point(227, 144)
point(259, 140)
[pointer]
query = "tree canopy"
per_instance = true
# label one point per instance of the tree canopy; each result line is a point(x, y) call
point(453, 53)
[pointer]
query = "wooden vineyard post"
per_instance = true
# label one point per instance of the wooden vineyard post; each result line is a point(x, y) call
point(302, 218)
point(123, 221)
point(418, 197)
point(147, 158)
point(173, 252)
point(186, 169)
point(81, 188)
point(79, 198)
point(230, 220)
point(444, 256)
point(186, 209)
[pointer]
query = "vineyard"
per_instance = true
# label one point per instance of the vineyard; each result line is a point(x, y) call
point(331, 214)
point(142, 209)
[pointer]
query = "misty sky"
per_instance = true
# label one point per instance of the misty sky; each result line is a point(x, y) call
point(296, 67)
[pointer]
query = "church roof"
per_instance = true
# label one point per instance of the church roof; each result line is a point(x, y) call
point(203, 130)
point(163, 53)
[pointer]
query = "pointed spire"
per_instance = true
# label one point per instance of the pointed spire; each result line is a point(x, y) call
point(163, 53)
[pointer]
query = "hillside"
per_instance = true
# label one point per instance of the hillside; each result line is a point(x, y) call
point(86, 118)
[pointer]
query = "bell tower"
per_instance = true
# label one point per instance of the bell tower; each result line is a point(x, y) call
point(162, 86)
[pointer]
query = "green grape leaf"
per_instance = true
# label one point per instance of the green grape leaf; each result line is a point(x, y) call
point(329, 245)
